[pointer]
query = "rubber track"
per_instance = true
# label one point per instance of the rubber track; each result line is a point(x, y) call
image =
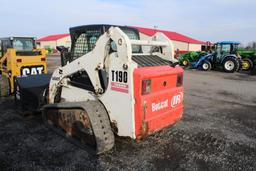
point(99, 120)
point(4, 86)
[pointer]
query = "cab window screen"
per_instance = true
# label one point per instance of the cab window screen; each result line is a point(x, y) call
point(85, 43)
point(133, 36)
point(23, 44)
point(225, 48)
point(5, 45)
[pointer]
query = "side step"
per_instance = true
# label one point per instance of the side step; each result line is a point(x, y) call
point(65, 119)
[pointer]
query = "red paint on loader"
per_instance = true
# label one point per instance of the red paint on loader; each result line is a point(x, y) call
point(163, 105)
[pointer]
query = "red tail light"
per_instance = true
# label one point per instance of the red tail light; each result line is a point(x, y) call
point(19, 60)
point(146, 87)
point(42, 59)
point(179, 80)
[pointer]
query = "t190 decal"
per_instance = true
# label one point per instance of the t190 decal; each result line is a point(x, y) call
point(119, 81)
point(119, 76)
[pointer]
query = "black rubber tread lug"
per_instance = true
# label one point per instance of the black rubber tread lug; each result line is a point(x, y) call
point(101, 125)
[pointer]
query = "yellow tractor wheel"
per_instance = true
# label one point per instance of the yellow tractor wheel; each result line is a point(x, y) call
point(247, 64)
point(185, 62)
point(4, 86)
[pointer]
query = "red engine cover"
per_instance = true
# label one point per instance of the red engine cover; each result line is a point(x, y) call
point(163, 106)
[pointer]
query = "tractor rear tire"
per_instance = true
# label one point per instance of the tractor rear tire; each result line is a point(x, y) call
point(206, 66)
point(230, 65)
point(4, 86)
point(185, 63)
point(247, 64)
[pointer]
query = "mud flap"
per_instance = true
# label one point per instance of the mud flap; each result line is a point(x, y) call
point(99, 121)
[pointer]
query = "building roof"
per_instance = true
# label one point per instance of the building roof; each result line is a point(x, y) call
point(53, 37)
point(171, 35)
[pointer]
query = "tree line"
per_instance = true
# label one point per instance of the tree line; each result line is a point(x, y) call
point(249, 46)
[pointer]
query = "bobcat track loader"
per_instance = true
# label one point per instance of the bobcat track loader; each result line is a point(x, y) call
point(110, 83)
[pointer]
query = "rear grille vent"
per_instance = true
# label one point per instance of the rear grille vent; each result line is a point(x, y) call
point(28, 53)
point(149, 60)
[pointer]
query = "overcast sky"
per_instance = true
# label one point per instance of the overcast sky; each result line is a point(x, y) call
point(211, 20)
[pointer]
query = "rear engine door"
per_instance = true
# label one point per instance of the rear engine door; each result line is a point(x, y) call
point(158, 95)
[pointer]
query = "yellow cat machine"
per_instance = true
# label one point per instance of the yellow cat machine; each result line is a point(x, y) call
point(19, 57)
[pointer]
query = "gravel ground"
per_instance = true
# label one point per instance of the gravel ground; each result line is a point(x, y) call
point(217, 132)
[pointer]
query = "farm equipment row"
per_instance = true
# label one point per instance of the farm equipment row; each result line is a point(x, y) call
point(225, 56)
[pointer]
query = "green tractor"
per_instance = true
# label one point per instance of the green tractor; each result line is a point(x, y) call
point(249, 59)
point(189, 57)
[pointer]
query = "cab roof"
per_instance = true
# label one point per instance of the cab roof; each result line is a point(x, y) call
point(228, 42)
point(102, 27)
point(15, 37)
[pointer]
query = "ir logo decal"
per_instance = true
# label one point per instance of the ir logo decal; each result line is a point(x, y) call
point(176, 100)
